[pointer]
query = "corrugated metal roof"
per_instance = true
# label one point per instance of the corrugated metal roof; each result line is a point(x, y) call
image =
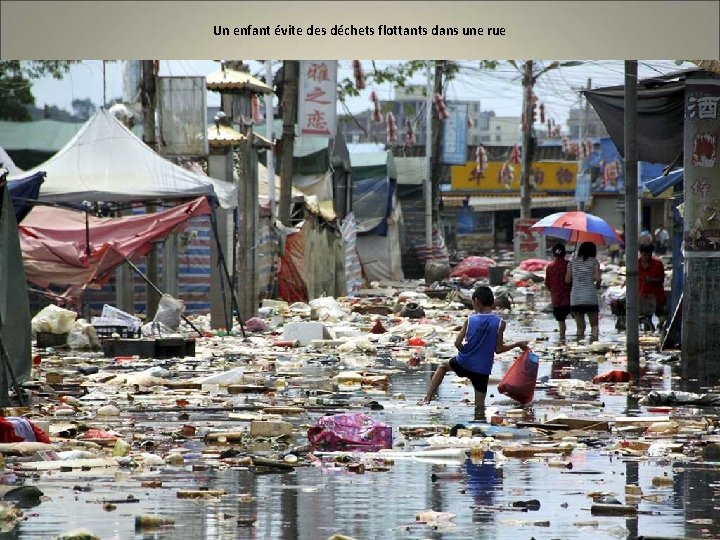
point(219, 136)
point(229, 79)
point(223, 136)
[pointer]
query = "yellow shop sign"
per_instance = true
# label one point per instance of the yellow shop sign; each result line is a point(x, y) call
point(545, 175)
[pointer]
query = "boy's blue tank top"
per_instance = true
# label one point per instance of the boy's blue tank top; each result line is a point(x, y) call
point(478, 352)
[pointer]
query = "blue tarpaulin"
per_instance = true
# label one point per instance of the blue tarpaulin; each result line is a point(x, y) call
point(657, 185)
point(373, 204)
point(23, 192)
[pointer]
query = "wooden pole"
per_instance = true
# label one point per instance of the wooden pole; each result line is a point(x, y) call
point(247, 227)
point(148, 100)
point(291, 69)
point(631, 220)
point(527, 146)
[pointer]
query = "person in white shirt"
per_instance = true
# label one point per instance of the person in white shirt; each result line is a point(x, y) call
point(662, 237)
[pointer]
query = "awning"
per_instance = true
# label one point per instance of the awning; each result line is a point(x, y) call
point(660, 108)
point(454, 200)
point(494, 204)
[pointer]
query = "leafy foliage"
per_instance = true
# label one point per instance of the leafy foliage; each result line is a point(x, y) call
point(16, 78)
point(400, 75)
point(83, 108)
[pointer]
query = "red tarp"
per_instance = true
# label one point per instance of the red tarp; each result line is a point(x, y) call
point(53, 242)
point(473, 267)
point(533, 265)
point(291, 285)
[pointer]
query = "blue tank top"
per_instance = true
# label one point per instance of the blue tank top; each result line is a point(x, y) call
point(478, 352)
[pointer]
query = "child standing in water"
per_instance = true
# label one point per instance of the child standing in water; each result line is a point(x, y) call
point(478, 341)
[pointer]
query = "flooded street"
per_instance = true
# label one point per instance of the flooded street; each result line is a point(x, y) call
point(489, 493)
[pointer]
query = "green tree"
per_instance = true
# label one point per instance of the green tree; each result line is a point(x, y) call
point(16, 78)
point(83, 108)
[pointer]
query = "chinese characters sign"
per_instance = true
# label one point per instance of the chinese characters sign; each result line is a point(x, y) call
point(455, 135)
point(317, 98)
point(702, 167)
point(545, 176)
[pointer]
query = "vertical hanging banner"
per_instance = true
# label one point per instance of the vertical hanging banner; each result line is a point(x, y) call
point(455, 135)
point(702, 167)
point(317, 98)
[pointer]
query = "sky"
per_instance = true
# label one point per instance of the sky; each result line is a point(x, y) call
point(498, 90)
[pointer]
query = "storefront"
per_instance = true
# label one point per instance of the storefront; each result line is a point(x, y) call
point(480, 209)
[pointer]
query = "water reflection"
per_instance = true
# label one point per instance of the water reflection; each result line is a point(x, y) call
point(315, 502)
point(483, 480)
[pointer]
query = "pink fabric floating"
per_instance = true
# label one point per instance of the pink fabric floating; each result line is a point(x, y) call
point(350, 431)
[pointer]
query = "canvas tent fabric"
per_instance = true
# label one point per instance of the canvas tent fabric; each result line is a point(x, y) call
point(24, 192)
point(353, 270)
point(312, 263)
point(319, 185)
point(659, 121)
point(380, 255)
point(105, 161)
point(7, 163)
point(53, 242)
point(14, 307)
point(372, 204)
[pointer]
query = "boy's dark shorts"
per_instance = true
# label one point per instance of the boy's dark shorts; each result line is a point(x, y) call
point(478, 380)
point(581, 309)
point(561, 312)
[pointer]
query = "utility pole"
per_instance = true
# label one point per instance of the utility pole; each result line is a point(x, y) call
point(436, 131)
point(428, 167)
point(270, 161)
point(528, 145)
point(582, 137)
point(631, 220)
point(148, 100)
point(248, 225)
point(291, 70)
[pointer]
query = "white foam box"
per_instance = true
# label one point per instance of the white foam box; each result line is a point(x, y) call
point(346, 332)
point(304, 332)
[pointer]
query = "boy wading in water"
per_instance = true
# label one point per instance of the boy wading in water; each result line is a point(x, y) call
point(478, 341)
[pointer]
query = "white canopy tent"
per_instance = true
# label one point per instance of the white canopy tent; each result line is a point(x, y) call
point(6, 162)
point(105, 161)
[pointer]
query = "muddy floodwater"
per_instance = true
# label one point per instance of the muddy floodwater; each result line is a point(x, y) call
point(490, 496)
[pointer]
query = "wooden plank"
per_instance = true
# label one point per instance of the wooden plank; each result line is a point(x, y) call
point(200, 494)
point(529, 451)
point(640, 419)
point(69, 463)
point(582, 423)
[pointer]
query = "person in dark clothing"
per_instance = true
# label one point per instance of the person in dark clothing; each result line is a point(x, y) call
point(559, 290)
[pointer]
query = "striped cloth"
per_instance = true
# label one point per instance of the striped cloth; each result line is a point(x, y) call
point(353, 271)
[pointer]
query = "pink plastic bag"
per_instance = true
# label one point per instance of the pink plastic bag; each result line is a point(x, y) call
point(350, 431)
point(519, 381)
